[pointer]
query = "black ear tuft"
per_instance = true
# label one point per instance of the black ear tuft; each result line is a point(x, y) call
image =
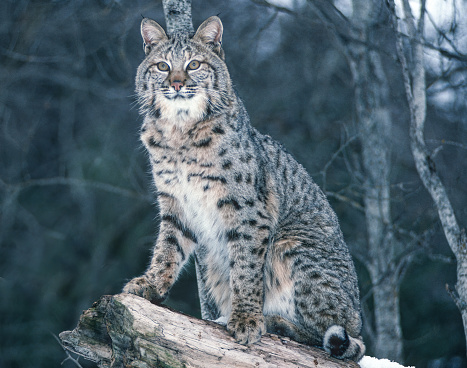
point(152, 34)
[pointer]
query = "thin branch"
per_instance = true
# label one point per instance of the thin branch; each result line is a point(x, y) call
point(444, 36)
point(78, 182)
point(268, 23)
point(277, 8)
point(13, 55)
point(441, 259)
point(443, 142)
point(69, 357)
point(333, 158)
point(346, 199)
point(455, 296)
point(421, 19)
point(414, 81)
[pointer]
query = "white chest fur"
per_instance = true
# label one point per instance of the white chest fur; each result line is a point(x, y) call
point(202, 216)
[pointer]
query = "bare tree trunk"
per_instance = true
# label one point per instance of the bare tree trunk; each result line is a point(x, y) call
point(415, 86)
point(128, 331)
point(178, 16)
point(374, 122)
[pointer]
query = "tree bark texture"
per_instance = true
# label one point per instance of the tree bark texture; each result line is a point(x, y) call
point(178, 16)
point(415, 87)
point(128, 331)
point(374, 124)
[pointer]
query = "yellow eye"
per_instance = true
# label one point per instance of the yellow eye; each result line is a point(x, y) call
point(162, 66)
point(193, 65)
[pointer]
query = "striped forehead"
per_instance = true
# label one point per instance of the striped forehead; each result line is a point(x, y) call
point(178, 48)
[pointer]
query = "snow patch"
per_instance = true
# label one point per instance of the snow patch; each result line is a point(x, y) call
point(370, 362)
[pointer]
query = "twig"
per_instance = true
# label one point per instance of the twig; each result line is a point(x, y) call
point(69, 357)
point(443, 142)
point(455, 296)
point(345, 199)
point(444, 36)
point(333, 157)
point(79, 182)
point(277, 8)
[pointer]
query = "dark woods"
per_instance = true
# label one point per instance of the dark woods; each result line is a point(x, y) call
point(76, 204)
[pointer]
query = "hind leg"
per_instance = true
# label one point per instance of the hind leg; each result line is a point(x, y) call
point(278, 325)
point(280, 309)
point(325, 304)
point(307, 298)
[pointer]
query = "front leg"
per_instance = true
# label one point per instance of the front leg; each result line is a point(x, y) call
point(174, 245)
point(247, 245)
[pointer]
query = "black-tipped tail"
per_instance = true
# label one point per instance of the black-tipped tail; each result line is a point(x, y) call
point(339, 344)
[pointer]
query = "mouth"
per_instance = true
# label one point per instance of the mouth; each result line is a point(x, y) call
point(179, 96)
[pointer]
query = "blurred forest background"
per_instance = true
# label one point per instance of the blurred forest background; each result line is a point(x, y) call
point(77, 213)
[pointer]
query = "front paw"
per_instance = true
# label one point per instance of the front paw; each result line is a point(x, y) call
point(142, 287)
point(246, 328)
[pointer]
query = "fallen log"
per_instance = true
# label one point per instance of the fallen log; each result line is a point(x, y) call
point(128, 331)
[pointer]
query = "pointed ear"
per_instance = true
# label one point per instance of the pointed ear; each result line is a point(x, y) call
point(210, 33)
point(152, 34)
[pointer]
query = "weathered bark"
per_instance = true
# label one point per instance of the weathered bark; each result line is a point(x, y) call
point(415, 87)
point(127, 331)
point(375, 124)
point(178, 16)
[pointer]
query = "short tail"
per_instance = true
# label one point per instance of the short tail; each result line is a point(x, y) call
point(339, 344)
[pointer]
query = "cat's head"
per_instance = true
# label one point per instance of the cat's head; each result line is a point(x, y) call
point(183, 78)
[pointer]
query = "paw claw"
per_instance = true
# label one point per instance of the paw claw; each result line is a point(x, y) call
point(142, 287)
point(246, 328)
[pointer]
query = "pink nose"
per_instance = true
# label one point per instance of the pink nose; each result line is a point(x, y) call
point(177, 85)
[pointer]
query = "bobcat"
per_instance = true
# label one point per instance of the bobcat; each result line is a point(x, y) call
point(269, 252)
